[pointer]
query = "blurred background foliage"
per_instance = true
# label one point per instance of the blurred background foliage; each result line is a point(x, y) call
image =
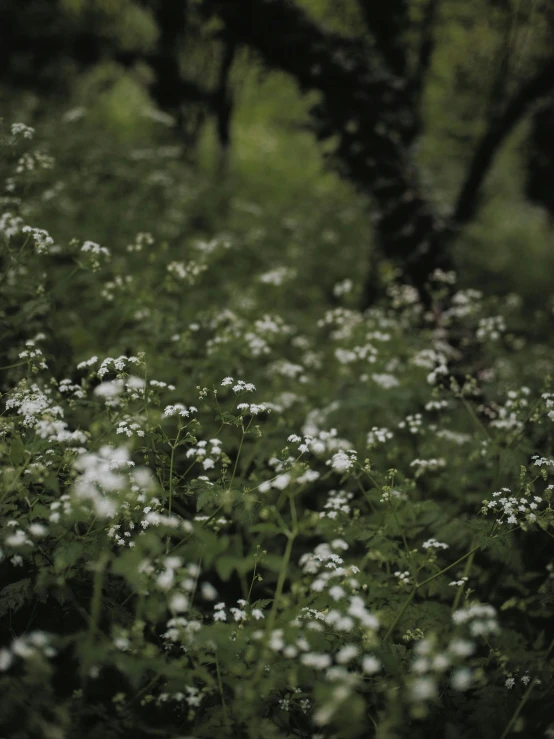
point(164, 106)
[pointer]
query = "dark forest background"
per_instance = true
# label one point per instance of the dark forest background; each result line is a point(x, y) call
point(437, 113)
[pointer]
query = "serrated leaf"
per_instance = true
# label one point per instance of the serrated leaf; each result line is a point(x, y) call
point(15, 595)
point(226, 565)
point(205, 498)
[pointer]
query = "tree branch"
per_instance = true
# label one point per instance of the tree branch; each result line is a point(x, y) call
point(426, 48)
point(367, 111)
point(498, 130)
point(386, 28)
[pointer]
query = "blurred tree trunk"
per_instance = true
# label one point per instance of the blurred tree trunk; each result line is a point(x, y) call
point(370, 104)
point(223, 104)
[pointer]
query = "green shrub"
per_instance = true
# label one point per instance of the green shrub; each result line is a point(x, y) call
point(231, 508)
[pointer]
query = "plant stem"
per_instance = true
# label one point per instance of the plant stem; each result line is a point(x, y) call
point(171, 464)
point(95, 608)
point(525, 696)
point(237, 460)
point(408, 553)
point(291, 535)
point(460, 590)
point(220, 684)
point(421, 584)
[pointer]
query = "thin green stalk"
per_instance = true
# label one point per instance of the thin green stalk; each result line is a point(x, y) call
point(477, 421)
point(408, 553)
point(421, 584)
point(460, 590)
point(253, 580)
point(142, 691)
point(525, 696)
point(171, 465)
point(237, 460)
point(220, 685)
point(366, 496)
point(11, 366)
point(291, 535)
point(95, 609)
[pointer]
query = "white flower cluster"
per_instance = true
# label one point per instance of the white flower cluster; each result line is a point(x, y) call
point(404, 296)
point(129, 427)
point(240, 615)
point(141, 240)
point(112, 391)
point(525, 679)
point(390, 495)
point(427, 465)
point(279, 483)
point(378, 436)
point(208, 456)
point(480, 618)
point(437, 405)
point(549, 403)
point(337, 503)
point(434, 360)
point(192, 698)
point(342, 288)
point(41, 238)
point(214, 245)
point(180, 631)
point(67, 387)
point(412, 423)
point(33, 160)
point(240, 386)
point(20, 538)
point(431, 663)
point(434, 544)
point(10, 225)
point(342, 461)
point(91, 247)
point(464, 303)
point(456, 437)
point(33, 404)
point(161, 385)
point(445, 278)
point(327, 565)
point(188, 272)
point(21, 130)
point(366, 353)
point(33, 354)
point(102, 473)
point(288, 369)
point(385, 381)
point(512, 510)
point(344, 321)
point(110, 364)
point(403, 577)
point(491, 328)
point(253, 409)
point(178, 409)
point(25, 647)
point(277, 276)
point(318, 442)
point(542, 461)
point(117, 285)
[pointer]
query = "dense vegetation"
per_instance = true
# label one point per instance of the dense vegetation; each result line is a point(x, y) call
point(232, 503)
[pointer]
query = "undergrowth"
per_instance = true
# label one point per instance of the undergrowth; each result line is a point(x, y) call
point(233, 505)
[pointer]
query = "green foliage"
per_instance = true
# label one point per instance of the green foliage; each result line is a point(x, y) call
point(230, 503)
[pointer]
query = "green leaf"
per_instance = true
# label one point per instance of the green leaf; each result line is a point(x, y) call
point(226, 565)
point(15, 595)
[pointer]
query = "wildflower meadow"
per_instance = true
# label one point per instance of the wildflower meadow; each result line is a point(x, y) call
point(233, 504)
